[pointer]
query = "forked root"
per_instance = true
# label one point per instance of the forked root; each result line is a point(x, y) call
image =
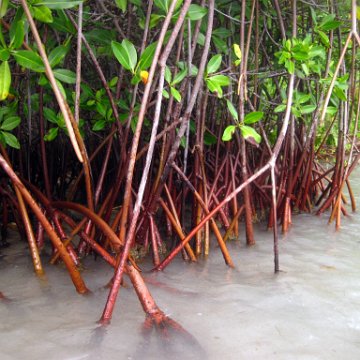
point(164, 336)
point(163, 324)
point(155, 318)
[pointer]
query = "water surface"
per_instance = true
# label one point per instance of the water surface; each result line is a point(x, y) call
point(310, 310)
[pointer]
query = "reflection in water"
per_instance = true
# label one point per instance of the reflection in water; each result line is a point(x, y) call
point(167, 339)
point(96, 341)
point(161, 339)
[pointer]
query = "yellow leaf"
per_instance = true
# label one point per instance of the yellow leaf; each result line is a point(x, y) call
point(144, 76)
point(5, 80)
point(237, 52)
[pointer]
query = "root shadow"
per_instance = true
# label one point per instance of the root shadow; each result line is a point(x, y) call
point(164, 338)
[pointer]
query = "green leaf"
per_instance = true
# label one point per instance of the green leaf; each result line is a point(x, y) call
point(62, 23)
point(3, 7)
point(214, 64)
point(307, 109)
point(339, 93)
point(57, 55)
point(86, 92)
point(194, 70)
point(232, 110)
point(221, 45)
point(42, 13)
point(178, 4)
point(43, 80)
point(29, 59)
point(165, 94)
point(228, 133)
point(313, 15)
point(4, 54)
point(131, 51)
point(182, 66)
point(280, 108)
point(51, 134)
point(134, 122)
point(179, 76)
point(2, 40)
point(10, 123)
point(209, 139)
point(109, 114)
point(136, 79)
point(329, 23)
point(331, 110)
point(136, 2)
point(99, 94)
point(296, 112)
point(18, 34)
point(248, 132)
point(154, 21)
point(216, 82)
point(101, 109)
point(290, 66)
point(61, 88)
point(167, 75)
point(299, 74)
point(58, 4)
point(61, 123)
point(222, 32)
point(183, 142)
point(175, 94)
point(50, 115)
point(165, 4)
point(196, 12)
point(99, 36)
point(5, 80)
point(214, 87)
point(221, 80)
point(113, 81)
point(10, 139)
point(287, 45)
point(324, 38)
point(65, 75)
point(8, 110)
point(237, 52)
point(302, 98)
point(316, 68)
point(99, 125)
point(305, 69)
point(253, 117)
point(121, 4)
point(201, 39)
point(147, 56)
point(300, 55)
point(317, 51)
point(125, 54)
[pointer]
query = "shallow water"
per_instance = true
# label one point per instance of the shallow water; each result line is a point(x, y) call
point(310, 310)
